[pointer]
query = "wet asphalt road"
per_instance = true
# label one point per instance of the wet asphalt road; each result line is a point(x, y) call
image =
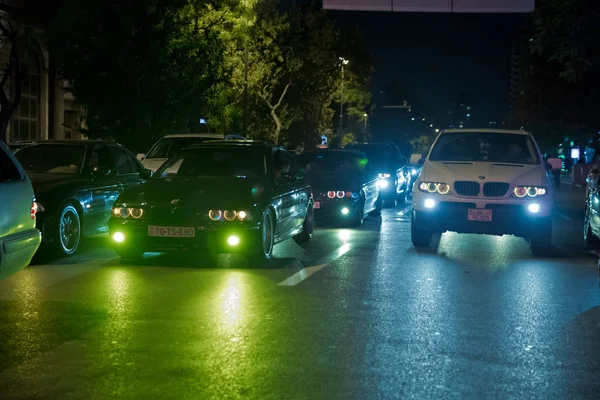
point(357, 313)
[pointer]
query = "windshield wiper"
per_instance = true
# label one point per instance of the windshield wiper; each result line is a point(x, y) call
point(509, 164)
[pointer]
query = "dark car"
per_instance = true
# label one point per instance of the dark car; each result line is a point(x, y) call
point(392, 168)
point(345, 187)
point(16, 146)
point(76, 183)
point(221, 197)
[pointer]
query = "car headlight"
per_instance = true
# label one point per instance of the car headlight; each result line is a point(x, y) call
point(413, 171)
point(434, 187)
point(229, 215)
point(340, 194)
point(125, 212)
point(383, 176)
point(529, 191)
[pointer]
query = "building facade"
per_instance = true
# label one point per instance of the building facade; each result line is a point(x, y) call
point(46, 109)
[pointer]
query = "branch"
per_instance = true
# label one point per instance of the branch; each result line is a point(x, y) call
point(215, 22)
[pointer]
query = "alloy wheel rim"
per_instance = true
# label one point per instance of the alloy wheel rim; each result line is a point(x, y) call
point(69, 231)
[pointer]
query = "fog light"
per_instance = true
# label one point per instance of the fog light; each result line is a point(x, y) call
point(118, 237)
point(382, 183)
point(534, 208)
point(429, 203)
point(233, 240)
point(345, 211)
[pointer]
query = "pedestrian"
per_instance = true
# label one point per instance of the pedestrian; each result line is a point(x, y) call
point(568, 166)
point(556, 164)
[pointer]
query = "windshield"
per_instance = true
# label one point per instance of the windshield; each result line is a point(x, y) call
point(329, 161)
point(167, 147)
point(242, 162)
point(381, 156)
point(52, 158)
point(485, 147)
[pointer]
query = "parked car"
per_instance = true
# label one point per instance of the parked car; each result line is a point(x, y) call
point(391, 165)
point(592, 178)
point(19, 239)
point(76, 183)
point(16, 146)
point(591, 222)
point(484, 181)
point(345, 187)
point(222, 196)
point(170, 145)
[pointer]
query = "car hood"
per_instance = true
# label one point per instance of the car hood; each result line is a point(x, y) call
point(153, 164)
point(516, 174)
point(325, 181)
point(219, 193)
point(44, 183)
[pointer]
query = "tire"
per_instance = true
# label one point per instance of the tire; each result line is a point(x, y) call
point(541, 242)
point(69, 231)
point(264, 250)
point(401, 199)
point(307, 226)
point(358, 220)
point(419, 237)
point(590, 241)
point(378, 207)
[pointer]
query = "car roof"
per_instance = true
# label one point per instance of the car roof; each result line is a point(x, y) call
point(80, 142)
point(487, 130)
point(332, 151)
point(195, 135)
point(234, 143)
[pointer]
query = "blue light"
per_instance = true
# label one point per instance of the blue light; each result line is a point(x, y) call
point(202, 121)
point(468, 115)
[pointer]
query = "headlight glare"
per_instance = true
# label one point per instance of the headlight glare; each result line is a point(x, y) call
point(529, 191)
point(434, 187)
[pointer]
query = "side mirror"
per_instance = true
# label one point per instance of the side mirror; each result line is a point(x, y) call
point(101, 170)
point(146, 174)
point(140, 156)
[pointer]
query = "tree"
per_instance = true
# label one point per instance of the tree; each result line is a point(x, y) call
point(140, 68)
point(561, 90)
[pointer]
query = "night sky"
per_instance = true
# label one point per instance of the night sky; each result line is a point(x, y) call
point(441, 55)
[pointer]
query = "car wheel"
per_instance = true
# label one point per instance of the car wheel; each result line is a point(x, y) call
point(589, 239)
point(69, 230)
point(401, 198)
point(378, 207)
point(419, 237)
point(360, 214)
point(307, 226)
point(541, 241)
point(264, 250)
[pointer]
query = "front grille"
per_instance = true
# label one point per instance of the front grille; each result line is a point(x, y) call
point(466, 188)
point(495, 189)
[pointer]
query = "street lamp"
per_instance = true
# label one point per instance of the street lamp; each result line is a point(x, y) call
point(343, 62)
point(366, 119)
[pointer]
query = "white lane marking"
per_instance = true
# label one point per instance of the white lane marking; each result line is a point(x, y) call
point(563, 216)
point(304, 273)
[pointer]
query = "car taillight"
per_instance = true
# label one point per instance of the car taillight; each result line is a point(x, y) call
point(331, 194)
point(34, 210)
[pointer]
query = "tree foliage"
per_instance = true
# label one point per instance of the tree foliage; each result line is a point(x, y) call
point(561, 92)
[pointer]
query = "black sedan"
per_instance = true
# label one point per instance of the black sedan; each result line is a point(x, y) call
point(392, 168)
point(344, 185)
point(216, 197)
point(76, 183)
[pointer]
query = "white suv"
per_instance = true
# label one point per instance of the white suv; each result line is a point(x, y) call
point(169, 145)
point(483, 181)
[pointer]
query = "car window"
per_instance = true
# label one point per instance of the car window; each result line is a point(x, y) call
point(101, 157)
point(284, 164)
point(379, 155)
point(485, 147)
point(334, 161)
point(8, 169)
point(52, 158)
point(168, 147)
point(233, 162)
point(123, 162)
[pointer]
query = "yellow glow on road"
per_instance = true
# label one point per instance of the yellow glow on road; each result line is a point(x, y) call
point(232, 303)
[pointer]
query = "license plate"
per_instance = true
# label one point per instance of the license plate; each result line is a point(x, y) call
point(480, 215)
point(171, 231)
point(317, 204)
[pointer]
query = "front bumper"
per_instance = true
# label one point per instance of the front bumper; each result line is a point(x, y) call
point(507, 219)
point(135, 233)
point(332, 210)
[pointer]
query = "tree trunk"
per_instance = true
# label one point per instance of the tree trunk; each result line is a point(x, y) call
point(274, 112)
